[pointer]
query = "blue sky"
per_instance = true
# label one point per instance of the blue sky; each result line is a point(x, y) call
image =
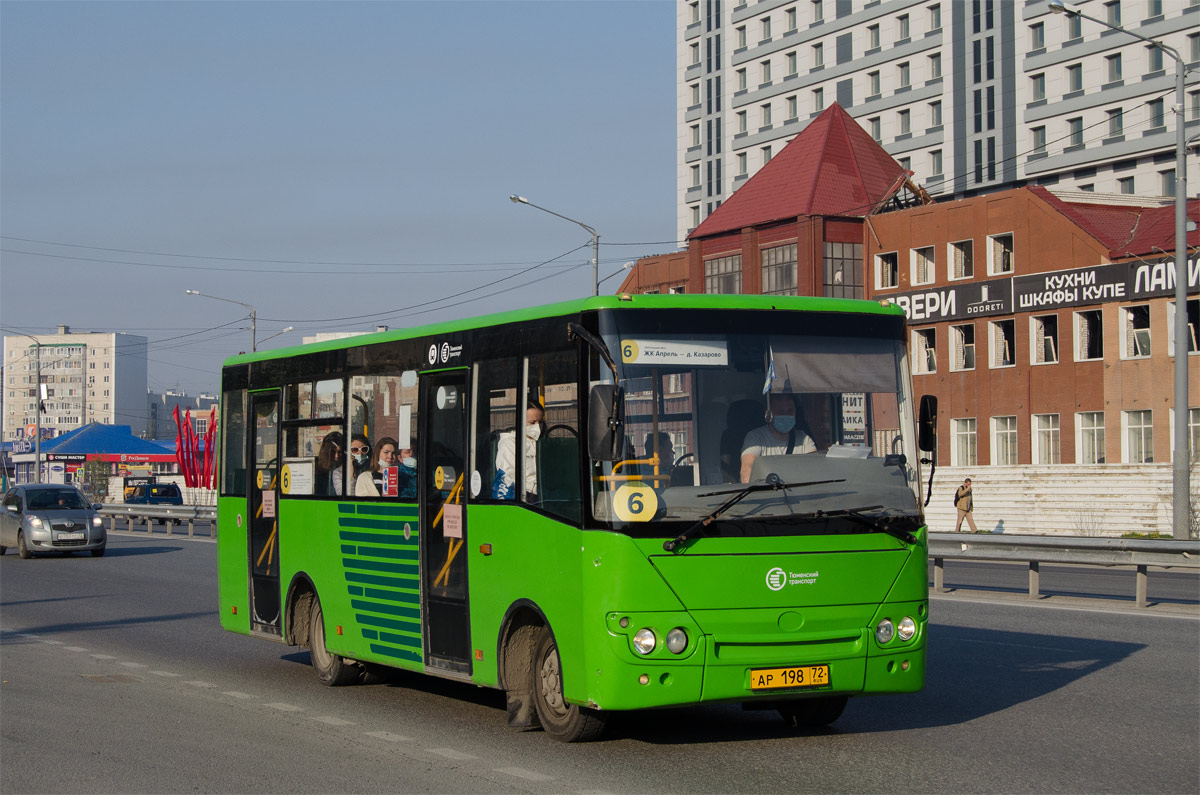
point(381, 139)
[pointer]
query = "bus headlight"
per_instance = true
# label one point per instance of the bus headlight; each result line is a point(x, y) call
point(644, 641)
point(677, 640)
point(906, 628)
point(884, 630)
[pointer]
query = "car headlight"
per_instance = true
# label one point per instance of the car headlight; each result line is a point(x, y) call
point(97, 521)
point(677, 640)
point(884, 630)
point(35, 522)
point(644, 641)
point(906, 628)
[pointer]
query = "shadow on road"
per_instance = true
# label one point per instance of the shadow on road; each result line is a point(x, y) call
point(124, 552)
point(88, 626)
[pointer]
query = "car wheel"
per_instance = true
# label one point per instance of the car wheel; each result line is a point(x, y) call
point(331, 669)
point(813, 712)
point(568, 723)
point(23, 550)
point(98, 552)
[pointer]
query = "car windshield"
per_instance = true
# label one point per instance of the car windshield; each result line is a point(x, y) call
point(49, 499)
point(817, 406)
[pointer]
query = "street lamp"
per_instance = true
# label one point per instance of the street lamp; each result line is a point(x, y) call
point(278, 333)
point(1180, 458)
point(624, 268)
point(37, 410)
point(595, 238)
point(253, 314)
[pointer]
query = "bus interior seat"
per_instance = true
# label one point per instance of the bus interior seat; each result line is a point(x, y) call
point(558, 474)
point(742, 417)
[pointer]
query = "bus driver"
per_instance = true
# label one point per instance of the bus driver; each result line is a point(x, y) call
point(782, 435)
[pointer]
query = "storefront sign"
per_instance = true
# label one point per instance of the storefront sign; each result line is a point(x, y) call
point(1121, 281)
point(956, 302)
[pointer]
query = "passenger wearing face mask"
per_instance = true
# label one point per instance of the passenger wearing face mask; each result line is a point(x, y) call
point(780, 436)
point(408, 474)
point(360, 460)
point(504, 484)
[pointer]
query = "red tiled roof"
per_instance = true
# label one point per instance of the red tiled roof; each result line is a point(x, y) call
point(832, 167)
point(1127, 231)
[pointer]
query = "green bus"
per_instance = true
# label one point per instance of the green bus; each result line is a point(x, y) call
point(616, 503)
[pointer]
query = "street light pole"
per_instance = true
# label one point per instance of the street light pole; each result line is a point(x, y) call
point(37, 410)
point(595, 238)
point(1181, 498)
point(253, 314)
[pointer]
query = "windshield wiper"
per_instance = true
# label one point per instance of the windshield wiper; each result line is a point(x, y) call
point(875, 523)
point(773, 484)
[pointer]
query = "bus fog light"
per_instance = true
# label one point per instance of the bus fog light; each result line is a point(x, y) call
point(677, 640)
point(644, 640)
point(884, 630)
point(906, 628)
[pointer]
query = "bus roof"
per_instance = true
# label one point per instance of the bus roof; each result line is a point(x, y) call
point(635, 301)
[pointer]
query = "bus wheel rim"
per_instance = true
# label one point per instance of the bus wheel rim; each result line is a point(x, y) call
point(550, 675)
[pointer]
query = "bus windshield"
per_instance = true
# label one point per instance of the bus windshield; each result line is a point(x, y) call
point(816, 405)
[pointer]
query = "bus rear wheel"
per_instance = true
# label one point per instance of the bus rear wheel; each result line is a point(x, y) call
point(812, 713)
point(331, 669)
point(569, 723)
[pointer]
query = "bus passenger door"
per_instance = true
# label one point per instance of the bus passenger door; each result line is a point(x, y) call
point(264, 514)
point(442, 463)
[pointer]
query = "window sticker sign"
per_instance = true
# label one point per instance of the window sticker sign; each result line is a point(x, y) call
point(854, 418)
point(452, 521)
point(714, 353)
point(391, 481)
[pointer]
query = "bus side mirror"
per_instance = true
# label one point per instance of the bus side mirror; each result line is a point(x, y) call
point(927, 425)
point(605, 408)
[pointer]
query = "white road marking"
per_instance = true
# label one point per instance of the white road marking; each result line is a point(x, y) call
point(104, 656)
point(199, 683)
point(52, 642)
point(332, 721)
point(521, 772)
point(284, 707)
point(450, 753)
point(134, 665)
point(165, 673)
point(236, 694)
point(73, 648)
point(392, 738)
point(27, 635)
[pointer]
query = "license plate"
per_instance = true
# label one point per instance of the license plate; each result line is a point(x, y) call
point(791, 677)
point(71, 536)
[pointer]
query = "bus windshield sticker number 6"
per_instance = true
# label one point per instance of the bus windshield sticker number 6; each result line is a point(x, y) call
point(635, 502)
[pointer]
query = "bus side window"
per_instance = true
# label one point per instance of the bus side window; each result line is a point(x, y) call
point(495, 414)
point(553, 384)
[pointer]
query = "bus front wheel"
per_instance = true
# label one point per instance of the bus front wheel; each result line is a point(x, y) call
point(813, 712)
point(331, 669)
point(569, 723)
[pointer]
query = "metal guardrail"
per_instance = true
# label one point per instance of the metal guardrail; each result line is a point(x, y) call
point(168, 515)
point(1138, 553)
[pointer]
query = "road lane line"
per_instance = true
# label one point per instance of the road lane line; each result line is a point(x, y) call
point(199, 683)
point(332, 721)
point(450, 753)
point(52, 642)
point(236, 694)
point(283, 707)
point(103, 656)
point(73, 648)
point(521, 772)
point(134, 665)
point(165, 673)
point(392, 738)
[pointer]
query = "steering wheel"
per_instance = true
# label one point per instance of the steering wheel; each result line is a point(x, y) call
point(683, 458)
point(554, 428)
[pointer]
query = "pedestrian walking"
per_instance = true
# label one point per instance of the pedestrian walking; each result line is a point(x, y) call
point(964, 502)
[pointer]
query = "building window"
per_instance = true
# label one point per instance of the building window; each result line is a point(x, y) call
point(766, 28)
point(765, 115)
point(740, 33)
point(1194, 433)
point(695, 135)
point(1112, 12)
point(904, 75)
point(741, 82)
point(843, 270)
point(902, 23)
point(1074, 26)
point(964, 452)
point(765, 70)
point(693, 13)
point(873, 84)
point(695, 216)
point(935, 17)
point(695, 176)
point(935, 117)
point(1193, 320)
point(695, 54)
point(818, 55)
point(1004, 441)
point(887, 271)
point(904, 118)
point(792, 62)
point(779, 270)
point(1114, 67)
point(766, 155)
point(923, 265)
point(1000, 253)
point(1154, 59)
point(1116, 123)
point(723, 275)
point(1044, 339)
point(1155, 108)
point(1037, 86)
point(790, 19)
point(924, 351)
point(1089, 335)
point(962, 260)
point(818, 99)
point(963, 339)
point(1046, 439)
point(872, 37)
point(1039, 140)
point(818, 10)
point(742, 164)
point(1074, 78)
point(1002, 339)
point(1136, 330)
point(1138, 437)
point(1037, 36)
point(742, 124)
point(1075, 131)
point(873, 123)
point(935, 162)
point(1125, 185)
point(1166, 181)
point(935, 66)
point(695, 88)
point(793, 109)
point(905, 163)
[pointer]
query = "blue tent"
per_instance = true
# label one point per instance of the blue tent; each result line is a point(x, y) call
point(98, 439)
